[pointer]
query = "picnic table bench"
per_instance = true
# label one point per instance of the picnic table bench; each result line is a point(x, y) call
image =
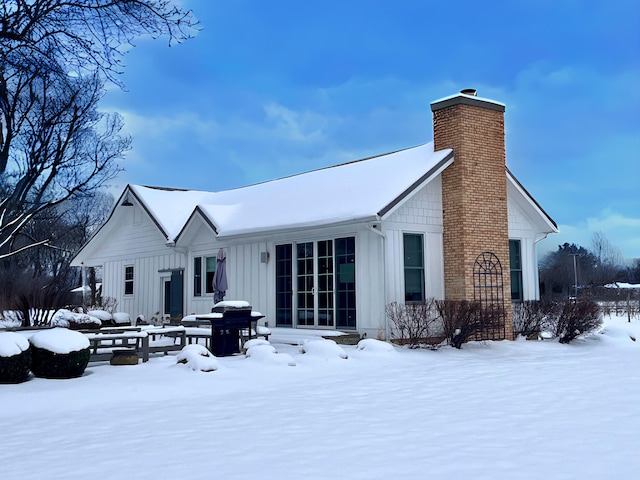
point(103, 342)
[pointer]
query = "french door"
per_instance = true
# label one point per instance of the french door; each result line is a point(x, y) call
point(315, 284)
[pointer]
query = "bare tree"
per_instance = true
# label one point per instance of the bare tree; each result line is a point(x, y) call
point(63, 147)
point(39, 279)
point(85, 35)
point(609, 259)
point(55, 57)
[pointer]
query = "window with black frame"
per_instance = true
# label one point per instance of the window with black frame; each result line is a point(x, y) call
point(414, 284)
point(128, 280)
point(515, 261)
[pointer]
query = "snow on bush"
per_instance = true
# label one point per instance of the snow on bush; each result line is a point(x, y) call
point(121, 318)
point(10, 319)
point(12, 343)
point(197, 358)
point(68, 319)
point(15, 358)
point(252, 343)
point(59, 353)
point(322, 348)
point(260, 330)
point(59, 340)
point(103, 315)
point(371, 345)
point(266, 353)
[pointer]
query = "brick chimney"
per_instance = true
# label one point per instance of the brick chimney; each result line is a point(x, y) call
point(474, 200)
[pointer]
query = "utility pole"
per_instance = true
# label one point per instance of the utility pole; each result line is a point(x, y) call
point(575, 275)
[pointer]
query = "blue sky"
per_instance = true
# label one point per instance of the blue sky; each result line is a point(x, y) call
point(270, 88)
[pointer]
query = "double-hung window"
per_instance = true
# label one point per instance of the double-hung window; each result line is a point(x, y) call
point(515, 260)
point(128, 280)
point(197, 276)
point(414, 289)
point(208, 264)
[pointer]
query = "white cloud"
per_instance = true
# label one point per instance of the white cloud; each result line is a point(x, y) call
point(622, 232)
point(295, 126)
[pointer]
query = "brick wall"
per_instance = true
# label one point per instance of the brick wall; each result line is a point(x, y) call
point(474, 192)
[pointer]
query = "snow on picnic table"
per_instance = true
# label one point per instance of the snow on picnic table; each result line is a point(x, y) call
point(492, 410)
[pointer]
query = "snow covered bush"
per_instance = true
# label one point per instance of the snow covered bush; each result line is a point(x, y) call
point(414, 323)
point(197, 358)
point(74, 321)
point(59, 353)
point(265, 353)
point(253, 343)
point(121, 318)
point(327, 349)
point(11, 319)
point(372, 345)
point(105, 317)
point(15, 358)
point(577, 318)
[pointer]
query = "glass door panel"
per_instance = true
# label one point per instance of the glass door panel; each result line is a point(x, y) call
point(345, 261)
point(305, 284)
point(284, 285)
point(322, 282)
point(325, 283)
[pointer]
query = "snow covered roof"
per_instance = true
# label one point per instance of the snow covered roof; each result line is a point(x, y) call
point(357, 191)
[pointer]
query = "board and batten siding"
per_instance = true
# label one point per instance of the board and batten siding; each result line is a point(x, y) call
point(254, 281)
point(420, 214)
point(246, 275)
point(522, 227)
point(135, 240)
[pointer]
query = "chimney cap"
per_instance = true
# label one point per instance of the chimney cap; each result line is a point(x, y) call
point(469, 91)
point(466, 99)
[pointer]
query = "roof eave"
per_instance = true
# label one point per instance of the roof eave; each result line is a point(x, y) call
point(196, 211)
point(552, 224)
point(79, 254)
point(295, 228)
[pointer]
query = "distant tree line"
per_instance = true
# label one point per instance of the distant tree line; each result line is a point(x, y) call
point(597, 266)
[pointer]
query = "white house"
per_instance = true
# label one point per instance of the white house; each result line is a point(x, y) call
point(332, 247)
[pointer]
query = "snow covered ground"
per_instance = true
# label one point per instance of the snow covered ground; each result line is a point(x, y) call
point(493, 410)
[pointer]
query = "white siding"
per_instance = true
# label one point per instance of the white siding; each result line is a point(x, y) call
point(254, 281)
point(521, 227)
point(136, 241)
point(421, 214)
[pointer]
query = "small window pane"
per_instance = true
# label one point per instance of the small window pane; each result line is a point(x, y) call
point(210, 263)
point(414, 283)
point(197, 276)
point(515, 260)
point(128, 280)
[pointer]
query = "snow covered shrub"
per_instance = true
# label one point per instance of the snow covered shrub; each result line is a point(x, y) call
point(577, 318)
point(254, 342)
point(327, 349)
point(11, 319)
point(105, 317)
point(15, 358)
point(75, 321)
point(59, 353)
point(372, 345)
point(265, 353)
point(121, 318)
point(414, 323)
point(197, 358)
